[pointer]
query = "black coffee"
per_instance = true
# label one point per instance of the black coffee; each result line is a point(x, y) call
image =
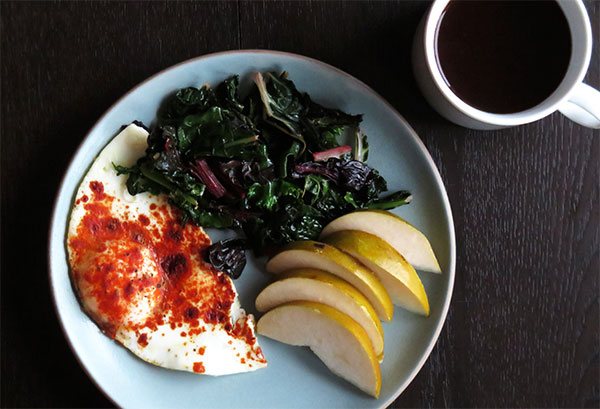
point(503, 56)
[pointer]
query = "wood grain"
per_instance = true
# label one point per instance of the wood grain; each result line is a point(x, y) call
point(523, 327)
point(63, 65)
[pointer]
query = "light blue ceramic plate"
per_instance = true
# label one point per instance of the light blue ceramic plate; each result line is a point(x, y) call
point(294, 376)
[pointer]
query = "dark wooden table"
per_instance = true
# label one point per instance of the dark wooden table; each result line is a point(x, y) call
point(523, 327)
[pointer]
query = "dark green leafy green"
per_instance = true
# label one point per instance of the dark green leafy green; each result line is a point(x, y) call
point(361, 146)
point(294, 220)
point(227, 93)
point(391, 201)
point(184, 102)
point(250, 163)
point(266, 196)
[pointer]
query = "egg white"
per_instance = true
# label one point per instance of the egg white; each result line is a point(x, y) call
point(166, 347)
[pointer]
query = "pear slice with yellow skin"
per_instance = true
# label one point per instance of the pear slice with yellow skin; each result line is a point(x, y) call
point(396, 231)
point(313, 254)
point(398, 277)
point(308, 284)
point(339, 342)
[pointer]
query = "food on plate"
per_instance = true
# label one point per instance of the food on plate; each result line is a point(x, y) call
point(397, 232)
point(141, 276)
point(397, 276)
point(378, 272)
point(273, 163)
point(313, 254)
point(334, 337)
point(319, 286)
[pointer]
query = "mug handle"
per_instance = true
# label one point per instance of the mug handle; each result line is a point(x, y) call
point(583, 106)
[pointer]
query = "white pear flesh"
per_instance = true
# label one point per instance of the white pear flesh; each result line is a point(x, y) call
point(319, 286)
point(337, 340)
point(397, 276)
point(312, 254)
point(399, 234)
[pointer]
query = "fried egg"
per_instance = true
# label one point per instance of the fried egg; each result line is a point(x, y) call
point(141, 276)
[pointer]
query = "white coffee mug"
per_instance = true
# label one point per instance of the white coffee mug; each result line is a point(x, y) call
point(573, 98)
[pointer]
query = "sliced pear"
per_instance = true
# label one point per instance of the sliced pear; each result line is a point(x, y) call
point(399, 234)
point(334, 337)
point(312, 254)
point(395, 273)
point(308, 284)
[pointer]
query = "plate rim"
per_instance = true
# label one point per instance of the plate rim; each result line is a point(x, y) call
point(446, 204)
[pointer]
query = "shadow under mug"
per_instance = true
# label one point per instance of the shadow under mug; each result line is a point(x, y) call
point(574, 99)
